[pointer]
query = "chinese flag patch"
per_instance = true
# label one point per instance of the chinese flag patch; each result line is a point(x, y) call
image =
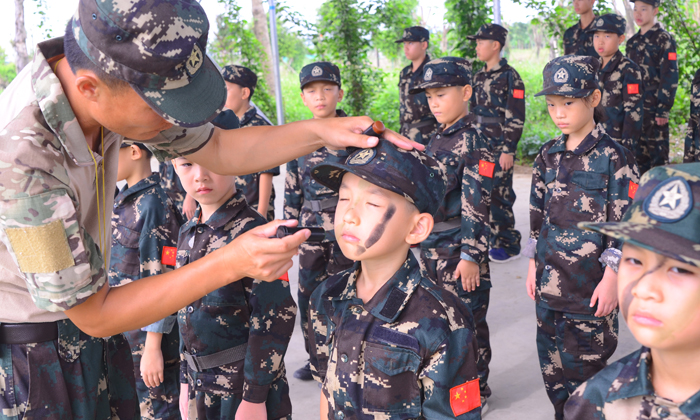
point(284, 277)
point(486, 168)
point(169, 255)
point(672, 56)
point(466, 397)
point(632, 88)
point(633, 190)
point(518, 93)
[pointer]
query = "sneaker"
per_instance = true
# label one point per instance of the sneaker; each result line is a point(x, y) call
point(484, 406)
point(499, 255)
point(304, 373)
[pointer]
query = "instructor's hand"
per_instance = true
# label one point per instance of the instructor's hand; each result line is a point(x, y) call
point(339, 133)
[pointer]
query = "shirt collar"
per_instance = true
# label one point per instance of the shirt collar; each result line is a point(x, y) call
point(221, 216)
point(587, 144)
point(419, 70)
point(249, 115)
point(462, 123)
point(498, 67)
point(613, 63)
point(144, 184)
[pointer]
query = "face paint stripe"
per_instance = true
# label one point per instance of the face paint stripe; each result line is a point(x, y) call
point(379, 229)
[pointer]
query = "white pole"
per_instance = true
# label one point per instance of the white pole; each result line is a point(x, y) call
point(497, 12)
point(276, 63)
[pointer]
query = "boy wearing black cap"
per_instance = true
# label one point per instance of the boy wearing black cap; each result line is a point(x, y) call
point(659, 294)
point(385, 341)
point(577, 41)
point(692, 139)
point(498, 110)
point(313, 204)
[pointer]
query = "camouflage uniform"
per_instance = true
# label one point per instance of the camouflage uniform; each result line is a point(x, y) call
point(143, 223)
point(417, 122)
point(578, 41)
point(259, 314)
point(462, 231)
point(692, 139)
point(655, 53)
point(171, 184)
point(590, 183)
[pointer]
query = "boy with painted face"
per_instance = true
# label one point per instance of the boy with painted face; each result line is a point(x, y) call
point(385, 341)
point(455, 253)
point(659, 294)
point(577, 40)
point(692, 139)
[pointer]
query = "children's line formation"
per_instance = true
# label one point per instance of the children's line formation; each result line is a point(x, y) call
point(187, 289)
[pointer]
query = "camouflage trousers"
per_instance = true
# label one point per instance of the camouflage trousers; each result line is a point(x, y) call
point(74, 377)
point(421, 134)
point(503, 232)
point(441, 271)
point(317, 261)
point(160, 402)
point(653, 145)
point(572, 348)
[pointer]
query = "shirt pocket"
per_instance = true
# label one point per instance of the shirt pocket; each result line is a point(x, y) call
point(390, 384)
point(588, 197)
point(125, 262)
point(452, 166)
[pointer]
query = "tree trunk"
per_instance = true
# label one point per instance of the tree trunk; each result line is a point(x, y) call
point(20, 42)
point(262, 34)
point(629, 15)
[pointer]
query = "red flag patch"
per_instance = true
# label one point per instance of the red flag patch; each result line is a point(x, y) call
point(466, 397)
point(518, 93)
point(169, 256)
point(284, 277)
point(672, 56)
point(486, 168)
point(633, 190)
point(632, 88)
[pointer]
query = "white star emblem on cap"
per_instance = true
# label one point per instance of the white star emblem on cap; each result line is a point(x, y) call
point(670, 201)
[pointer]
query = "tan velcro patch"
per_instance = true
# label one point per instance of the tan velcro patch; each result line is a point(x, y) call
point(41, 249)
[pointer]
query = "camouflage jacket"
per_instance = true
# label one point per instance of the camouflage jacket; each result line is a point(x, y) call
point(50, 259)
point(464, 151)
point(143, 223)
point(692, 139)
point(624, 390)
point(623, 92)
point(395, 357)
point(412, 108)
point(300, 188)
point(500, 93)
point(249, 184)
point(655, 53)
point(588, 184)
point(170, 183)
point(259, 313)
point(579, 42)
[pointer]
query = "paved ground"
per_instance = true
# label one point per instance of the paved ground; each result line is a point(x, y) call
point(518, 391)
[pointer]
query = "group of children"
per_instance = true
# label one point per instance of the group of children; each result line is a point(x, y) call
point(396, 335)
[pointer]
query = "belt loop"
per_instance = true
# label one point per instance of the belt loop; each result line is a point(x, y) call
point(316, 206)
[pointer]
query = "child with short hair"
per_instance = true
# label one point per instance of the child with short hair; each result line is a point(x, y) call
point(234, 339)
point(577, 41)
point(659, 294)
point(692, 139)
point(385, 341)
point(581, 176)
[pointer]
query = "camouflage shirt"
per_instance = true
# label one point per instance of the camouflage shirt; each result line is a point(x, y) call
point(588, 184)
point(621, 82)
point(655, 53)
point(171, 184)
point(463, 150)
point(692, 139)
point(412, 108)
point(396, 356)
point(624, 390)
point(259, 313)
point(579, 42)
point(500, 93)
point(250, 184)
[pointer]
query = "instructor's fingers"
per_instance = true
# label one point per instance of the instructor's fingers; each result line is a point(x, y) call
point(402, 141)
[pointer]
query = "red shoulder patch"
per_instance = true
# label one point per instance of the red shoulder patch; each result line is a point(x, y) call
point(486, 168)
point(633, 88)
point(518, 93)
point(466, 397)
point(284, 277)
point(169, 256)
point(632, 190)
point(672, 56)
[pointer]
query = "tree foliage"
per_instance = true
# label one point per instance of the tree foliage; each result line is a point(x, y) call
point(465, 18)
point(7, 70)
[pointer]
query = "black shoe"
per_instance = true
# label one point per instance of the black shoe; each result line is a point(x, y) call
point(304, 373)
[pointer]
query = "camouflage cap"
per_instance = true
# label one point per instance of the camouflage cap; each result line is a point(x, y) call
point(575, 76)
point(409, 173)
point(320, 70)
point(491, 31)
point(610, 22)
point(159, 47)
point(128, 143)
point(415, 34)
point(444, 72)
point(242, 76)
point(226, 120)
point(655, 3)
point(665, 215)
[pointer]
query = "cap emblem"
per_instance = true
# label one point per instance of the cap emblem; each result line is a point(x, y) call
point(599, 23)
point(316, 71)
point(428, 75)
point(670, 201)
point(194, 62)
point(362, 157)
point(561, 76)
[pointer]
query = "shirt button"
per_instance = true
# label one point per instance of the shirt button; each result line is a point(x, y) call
point(557, 189)
point(340, 415)
point(193, 351)
point(344, 358)
point(190, 309)
point(438, 136)
point(200, 230)
point(199, 382)
point(553, 228)
point(663, 412)
point(547, 267)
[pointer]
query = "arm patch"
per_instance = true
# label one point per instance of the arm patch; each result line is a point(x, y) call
point(41, 249)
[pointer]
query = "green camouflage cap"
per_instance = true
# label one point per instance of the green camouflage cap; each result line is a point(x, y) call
point(665, 215)
point(410, 173)
point(320, 70)
point(159, 48)
point(575, 76)
point(610, 22)
point(444, 72)
point(128, 143)
point(491, 31)
point(242, 76)
point(655, 3)
point(414, 34)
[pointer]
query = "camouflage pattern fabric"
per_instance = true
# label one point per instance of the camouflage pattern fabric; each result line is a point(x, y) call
point(250, 184)
point(414, 34)
point(624, 390)
point(171, 184)
point(319, 71)
point(655, 53)
point(655, 3)
point(573, 76)
point(395, 357)
point(692, 139)
point(577, 41)
point(609, 22)
point(417, 122)
point(242, 76)
point(249, 311)
point(491, 31)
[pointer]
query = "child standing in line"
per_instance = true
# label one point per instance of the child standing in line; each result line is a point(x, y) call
point(692, 139)
point(581, 176)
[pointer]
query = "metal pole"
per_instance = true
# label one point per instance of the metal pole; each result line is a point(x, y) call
point(497, 12)
point(276, 63)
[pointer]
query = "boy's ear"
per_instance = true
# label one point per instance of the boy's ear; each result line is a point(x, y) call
point(422, 227)
point(341, 93)
point(467, 93)
point(622, 39)
point(246, 93)
point(136, 152)
point(596, 97)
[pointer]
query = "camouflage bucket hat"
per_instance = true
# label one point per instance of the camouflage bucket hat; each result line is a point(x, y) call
point(159, 48)
point(242, 76)
point(410, 173)
point(655, 3)
point(444, 72)
point(414, 34)
point(610, 22)
point(574, 76)
point(320, 70)
point(491, 31)
point(665, 215)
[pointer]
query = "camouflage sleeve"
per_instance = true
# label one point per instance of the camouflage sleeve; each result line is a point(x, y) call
point(622, 174)
point(692, 138)
point(179, 141)
point(293, 196)
point(515, 113)
point(584, 405)
point(272, 315)
point(538, 191)
point(476, 199)
point(274, 171)
point(319, 348)
point(633, 104)
point(668, 74)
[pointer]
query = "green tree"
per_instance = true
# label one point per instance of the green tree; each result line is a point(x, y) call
point(388, 21)
point(520, 35)
point(465, 17)
point(7, 70)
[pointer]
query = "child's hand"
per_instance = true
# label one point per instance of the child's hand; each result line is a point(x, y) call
point(152, 366)
point(505, 161)
point(468, 273)
point(606, 293)
point(531, 282)
point(189, 205)
point(184, 400)
point(251, 411)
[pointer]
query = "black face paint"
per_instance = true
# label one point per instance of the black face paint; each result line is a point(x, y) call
point(378, 231)
point(627, 294)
